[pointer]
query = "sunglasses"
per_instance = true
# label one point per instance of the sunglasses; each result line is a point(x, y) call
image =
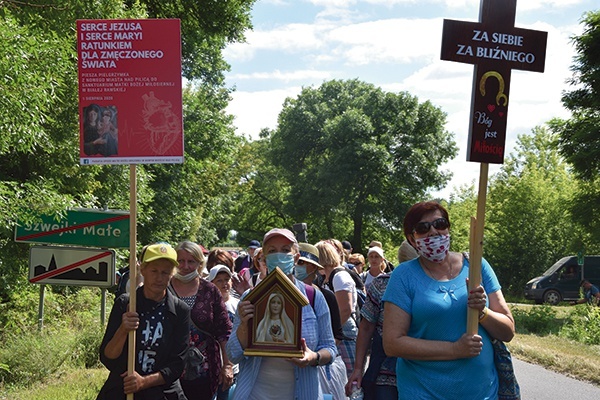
point(423, 227)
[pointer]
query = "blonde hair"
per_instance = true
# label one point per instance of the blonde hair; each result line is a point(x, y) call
point(328, 255)
point(196, 252)
point(356, 257)
point(257, 254)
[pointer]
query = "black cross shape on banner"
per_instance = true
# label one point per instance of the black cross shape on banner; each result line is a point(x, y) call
point(495, 47)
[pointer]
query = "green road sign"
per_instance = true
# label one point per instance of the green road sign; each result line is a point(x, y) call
point(79, 227)
point(580, 258)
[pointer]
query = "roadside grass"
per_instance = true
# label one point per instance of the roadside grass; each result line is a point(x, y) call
point(61, 361)
point(558, 354)
point(80, 384)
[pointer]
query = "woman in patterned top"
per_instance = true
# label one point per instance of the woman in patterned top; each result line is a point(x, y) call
point(210, 327)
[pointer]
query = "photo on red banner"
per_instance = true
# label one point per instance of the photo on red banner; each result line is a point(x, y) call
point(100, 131)
point(130, 91)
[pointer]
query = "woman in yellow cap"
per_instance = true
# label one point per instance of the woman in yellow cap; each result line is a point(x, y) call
point(161, 322)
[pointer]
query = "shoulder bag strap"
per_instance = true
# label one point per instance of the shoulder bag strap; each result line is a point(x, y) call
point(310, 293)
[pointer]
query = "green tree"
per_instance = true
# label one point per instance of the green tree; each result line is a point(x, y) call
point(260, 200)
point(528, 223)
point(40, 171)
point(461, 207)
point(579, 136)
point(193, 200)
point(356, 158)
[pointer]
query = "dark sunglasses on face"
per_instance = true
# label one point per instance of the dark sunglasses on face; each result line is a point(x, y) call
point(439, 224)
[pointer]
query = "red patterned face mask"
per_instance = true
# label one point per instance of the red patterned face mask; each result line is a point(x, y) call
point(433, 248)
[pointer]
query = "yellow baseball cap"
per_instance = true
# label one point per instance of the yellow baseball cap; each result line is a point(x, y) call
point(158, 251)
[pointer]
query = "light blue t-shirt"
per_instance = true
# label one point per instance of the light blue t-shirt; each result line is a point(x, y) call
point(438, 311)
point(591, 294)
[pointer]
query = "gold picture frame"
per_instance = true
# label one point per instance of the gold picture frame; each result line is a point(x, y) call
point(276, 328)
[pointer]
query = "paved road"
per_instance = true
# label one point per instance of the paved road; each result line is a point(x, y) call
point(538, 383)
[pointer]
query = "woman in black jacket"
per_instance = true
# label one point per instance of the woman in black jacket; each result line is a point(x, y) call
point(161, 322)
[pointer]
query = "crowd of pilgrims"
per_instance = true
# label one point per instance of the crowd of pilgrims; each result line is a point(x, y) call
point(393, 332)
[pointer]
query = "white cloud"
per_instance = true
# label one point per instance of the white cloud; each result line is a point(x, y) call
point(297, 75)
point(333, 3)
point(257, 110)
point(275, 2)
point(389, 40)
point(552, 4)
point(286, 38)
point(522, 5)
point(454, 4)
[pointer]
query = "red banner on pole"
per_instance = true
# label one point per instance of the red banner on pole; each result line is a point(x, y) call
point(130, 91)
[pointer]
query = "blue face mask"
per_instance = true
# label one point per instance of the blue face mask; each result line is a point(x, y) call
point(301, 273)
point(285, 262)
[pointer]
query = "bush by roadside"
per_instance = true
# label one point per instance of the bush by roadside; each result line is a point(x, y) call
point(580, 323)
point(70, 338)
point(583, 325)
point(562, 339)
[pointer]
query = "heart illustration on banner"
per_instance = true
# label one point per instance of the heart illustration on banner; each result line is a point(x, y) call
point(501, 114)
point(161, 123)
point(491, 107)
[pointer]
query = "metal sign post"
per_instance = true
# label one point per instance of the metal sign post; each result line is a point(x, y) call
point(41, 308)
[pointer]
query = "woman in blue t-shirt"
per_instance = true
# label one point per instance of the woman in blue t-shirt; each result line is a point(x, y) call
point(425, 316)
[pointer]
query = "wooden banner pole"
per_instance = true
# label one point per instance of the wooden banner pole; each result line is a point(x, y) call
point(133, 271)
point(476, 246)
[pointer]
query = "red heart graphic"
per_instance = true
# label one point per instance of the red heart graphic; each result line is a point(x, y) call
point(501, 114)
point(491, 107)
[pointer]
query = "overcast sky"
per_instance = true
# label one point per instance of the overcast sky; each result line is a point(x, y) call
point(393, 44)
